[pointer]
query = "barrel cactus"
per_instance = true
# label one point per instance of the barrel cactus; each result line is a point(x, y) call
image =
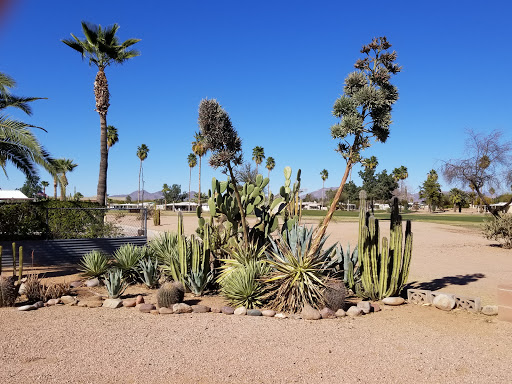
point(170, 294)
point(8, 291)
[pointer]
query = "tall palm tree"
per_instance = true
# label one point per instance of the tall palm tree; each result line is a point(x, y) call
point(370, 163)
point(112, 137)
point(44, 184)
point(258, 154)
point(18, 145)
point(192, 162)
point(324, 175)
point(142, 154)
point(400, 174)
point(66, 165)
point(270, 166)
point(102, 47)
point(199, 148)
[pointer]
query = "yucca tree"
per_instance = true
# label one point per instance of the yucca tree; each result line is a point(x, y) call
point(324, 175)
point(192, 162)
point(199, 148)
point(102, 47)
point(142, 154)
point(65, 166)
point(18, 145)
point(258, 154)
point(270, 166)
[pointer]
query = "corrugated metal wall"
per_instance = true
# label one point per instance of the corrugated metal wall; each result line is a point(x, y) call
point(63, 252)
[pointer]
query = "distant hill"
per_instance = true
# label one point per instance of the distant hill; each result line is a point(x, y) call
point(147, 195)
point(318, 194)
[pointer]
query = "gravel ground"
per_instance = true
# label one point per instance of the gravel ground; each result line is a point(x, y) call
point(399, 344)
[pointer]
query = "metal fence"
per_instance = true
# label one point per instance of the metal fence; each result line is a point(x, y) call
point(66, 234)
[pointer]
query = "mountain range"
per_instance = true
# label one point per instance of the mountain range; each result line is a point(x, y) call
point(147, 195)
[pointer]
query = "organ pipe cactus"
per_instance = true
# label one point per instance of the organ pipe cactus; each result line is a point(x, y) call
point(384, 267)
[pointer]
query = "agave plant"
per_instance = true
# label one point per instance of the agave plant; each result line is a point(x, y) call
point(115, 283)
point(149, 273)
point(165, 249)
point(94, 264)
point(240, 277)
point(126, 258)
point(298, 276)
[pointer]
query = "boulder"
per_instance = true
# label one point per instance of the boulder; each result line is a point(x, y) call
point(241, 311)
point(53, 302)
point(268, 313)
point(365, 306)
point(39, 304)
point(92, 283)
point(393, 300)
point(199, 308)
point(165, 311)
point(146, 308)
point(340, 313)
point(254, 312)
point(139, 300)
point(227, 310)
point(181, 308)
point(327, 313)
point(68, 300)
point(444, 302)
point(113, 303)
point(129, 303)
point(375, 307)
point(310, 313)
point(354, 311)
point(490, 310)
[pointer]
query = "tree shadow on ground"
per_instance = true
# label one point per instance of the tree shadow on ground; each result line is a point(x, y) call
point(443, 282)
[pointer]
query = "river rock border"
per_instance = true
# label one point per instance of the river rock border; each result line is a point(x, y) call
point(423, 296)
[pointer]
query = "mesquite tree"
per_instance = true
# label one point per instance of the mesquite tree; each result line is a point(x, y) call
point(222, 140)
point(364, 111)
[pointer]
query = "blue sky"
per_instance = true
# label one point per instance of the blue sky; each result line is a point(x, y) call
point(276, 67)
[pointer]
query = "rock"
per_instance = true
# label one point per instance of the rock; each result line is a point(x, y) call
point(268, 313)
point(354, 311)
point(375, 307)
point(92, 283)
point(139, 300)
point(113, 303)
point(24, 308)
point(310, 313)
point(241, 311)
point(490, 310)
point(295, 316)
point(327, 313)
point(39, 304)
point(82, 304)
point(254, 312)
point(154, 312)
point(199, 308)
point(340, 313)
point(53, 302)
point(444, 302)
point(93, 303)
point(165, 311)
point(215, 310)
point(181, 308)
point(365, 306)
point(227, 310)
point(129, 303)
point(393, 300)
point(146, 308)
point(68, 300)
point(76, 284)
point(22, 289)
point(281, 315)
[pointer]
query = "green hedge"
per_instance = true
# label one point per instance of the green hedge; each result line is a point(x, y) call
point(52, 219)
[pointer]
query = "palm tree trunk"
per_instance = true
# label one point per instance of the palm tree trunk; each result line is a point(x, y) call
point(55, 187)
point(189, 194)
point(321, 230)
point(102, 103)
point(323, 192)
point(138, 193)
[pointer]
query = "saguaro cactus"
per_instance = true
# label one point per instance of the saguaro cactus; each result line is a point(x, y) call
point(384, 268)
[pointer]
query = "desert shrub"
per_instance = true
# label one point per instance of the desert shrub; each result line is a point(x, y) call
point(499, 229)
point(33, 288)
point(54, 291)
point(126, 258)
point(241, 276)
point(170, 294)
point(94, 264)
point(115, 283)
point(297, 277)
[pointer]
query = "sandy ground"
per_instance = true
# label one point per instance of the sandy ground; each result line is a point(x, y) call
point(399, 344)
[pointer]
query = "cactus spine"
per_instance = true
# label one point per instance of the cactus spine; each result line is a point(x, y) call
point(384, 269)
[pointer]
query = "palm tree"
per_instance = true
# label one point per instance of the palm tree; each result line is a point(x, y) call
point(18, 145)
point(66, 165)
point(370, 163)
point(258, 154)
point(270, 166)
point(112, 136)
point(103, 48)
point(44, 184)
point(400, 174)
point(142, 154)
point(192, 162)
point(324, 175)
point(199, 148)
